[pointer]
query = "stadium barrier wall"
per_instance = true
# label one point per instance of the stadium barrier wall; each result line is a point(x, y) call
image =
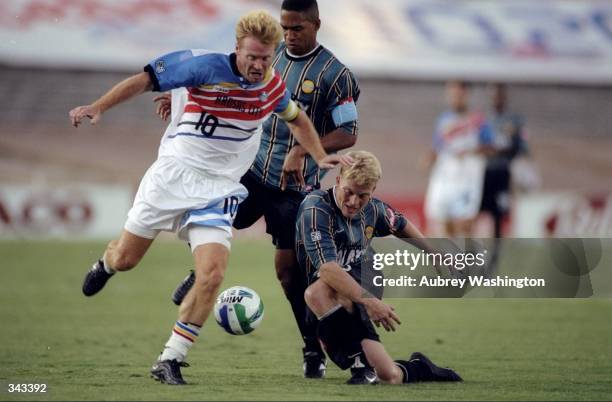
point(90, 212)
point(68, 212)
point(563, 214)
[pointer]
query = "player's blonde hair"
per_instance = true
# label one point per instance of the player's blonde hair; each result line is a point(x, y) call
point(260, 25)
point(366, 170)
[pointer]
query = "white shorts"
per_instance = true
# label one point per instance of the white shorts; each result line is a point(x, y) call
point(455, 188)
point(175, 198)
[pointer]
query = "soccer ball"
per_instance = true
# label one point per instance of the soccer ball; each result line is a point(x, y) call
point(239, 310)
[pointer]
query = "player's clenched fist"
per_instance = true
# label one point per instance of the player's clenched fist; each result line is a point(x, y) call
point(90, 111)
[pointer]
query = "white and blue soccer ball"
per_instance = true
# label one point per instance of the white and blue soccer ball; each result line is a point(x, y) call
point(239, 310)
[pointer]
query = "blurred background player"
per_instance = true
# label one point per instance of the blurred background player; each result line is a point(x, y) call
point(283, 172)
point(192, 188)
point(508, 143)
point(334, 230)
point(461, 139)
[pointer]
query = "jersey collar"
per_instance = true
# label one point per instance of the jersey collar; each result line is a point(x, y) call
point(332, 195)
point(306, 56)
point(234, 66)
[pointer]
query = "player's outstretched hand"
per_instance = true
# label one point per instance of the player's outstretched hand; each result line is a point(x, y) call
point(382, 314)
point(164, 106)
point(90, 111)
point(331, 161)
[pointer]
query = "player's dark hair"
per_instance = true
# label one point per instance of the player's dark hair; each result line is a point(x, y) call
point(310, 8)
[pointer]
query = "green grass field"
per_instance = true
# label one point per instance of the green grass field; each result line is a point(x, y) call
point(101, 348)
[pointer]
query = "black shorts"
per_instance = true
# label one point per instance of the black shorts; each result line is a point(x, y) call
point(496, 187)
point(367, 329)
point(279, 209)
point(343, 345)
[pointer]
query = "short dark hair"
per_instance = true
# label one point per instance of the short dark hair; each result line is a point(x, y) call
point(309, 7)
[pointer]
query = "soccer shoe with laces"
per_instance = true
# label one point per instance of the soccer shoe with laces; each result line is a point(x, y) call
point(362, 376)
point(95, 279)
point(314, 365)
point(183, 288)
point(435, 373)
point(168, 372)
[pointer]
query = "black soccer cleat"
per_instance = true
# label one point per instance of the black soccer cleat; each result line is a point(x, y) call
point(95, 279)
point(314, 365)
point(362, 376)
point(434, 372)
point(168, 372)
point(183, 288)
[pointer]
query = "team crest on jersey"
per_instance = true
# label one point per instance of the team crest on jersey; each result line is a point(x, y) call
point(160, 66)
point(263, 97)
point(369, 232)
point(219, 88)
point(308, 86)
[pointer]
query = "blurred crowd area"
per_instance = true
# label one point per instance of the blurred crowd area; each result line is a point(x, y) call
point(569, 130)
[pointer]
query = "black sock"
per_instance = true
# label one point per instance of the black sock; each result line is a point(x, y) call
point(361, 361)
point(306, 321)
point(415, 371)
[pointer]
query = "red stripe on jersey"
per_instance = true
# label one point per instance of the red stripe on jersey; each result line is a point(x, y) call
point(231, 114)
point(247, 93)
point(464, 126)
point(227, 101)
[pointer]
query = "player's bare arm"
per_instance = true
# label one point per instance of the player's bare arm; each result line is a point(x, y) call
point(334, 141)
point(411, 234)
point(338, 279)
point(307, 136)
point(126, 89)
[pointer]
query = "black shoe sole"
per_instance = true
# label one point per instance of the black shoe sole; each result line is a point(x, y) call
point(316, 376)
point(162, 379)
point(350, 381)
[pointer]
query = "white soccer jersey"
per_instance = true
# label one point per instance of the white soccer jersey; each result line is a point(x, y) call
point(455, 184)
point(217, 115)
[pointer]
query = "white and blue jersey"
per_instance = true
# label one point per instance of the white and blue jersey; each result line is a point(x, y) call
point(209, 144)
point(458, 133)
point(217, 129)
point(455, 184)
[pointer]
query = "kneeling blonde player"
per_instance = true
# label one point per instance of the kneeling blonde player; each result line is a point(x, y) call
point(193, 187)
point(334, 232)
